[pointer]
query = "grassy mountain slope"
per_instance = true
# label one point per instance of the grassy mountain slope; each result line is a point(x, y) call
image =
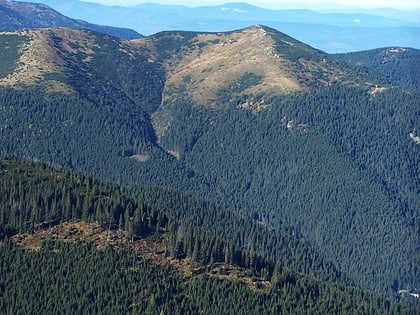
point(306, 146)
point(26, 15)
point(80, 92)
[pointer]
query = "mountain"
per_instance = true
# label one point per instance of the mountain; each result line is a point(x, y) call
point(249, 134)
point(395, 64)
point(25, 15)
point(333, 32)
point(71, 242)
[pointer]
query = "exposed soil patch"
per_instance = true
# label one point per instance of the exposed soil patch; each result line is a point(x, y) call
point(140, 157)
point(376, 90)
point(146, 248)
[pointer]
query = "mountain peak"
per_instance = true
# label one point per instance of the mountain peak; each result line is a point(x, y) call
point(215, 66)
point(16, 15)
point(228, 58)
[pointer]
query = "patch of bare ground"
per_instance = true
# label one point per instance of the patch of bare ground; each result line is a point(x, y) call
point(224, 58)
point(376, 90)
point(253, 106)
point(148, 249)
point(175, 154)
point(233, 273)
point(140, 157)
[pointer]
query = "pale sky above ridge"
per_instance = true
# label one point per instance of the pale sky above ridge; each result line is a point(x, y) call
point(275, 4)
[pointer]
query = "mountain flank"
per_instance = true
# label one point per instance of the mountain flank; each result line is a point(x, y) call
point(88, 245)
point(249, 134)
point(40, 56)
point(212, 66)
point(16, 15)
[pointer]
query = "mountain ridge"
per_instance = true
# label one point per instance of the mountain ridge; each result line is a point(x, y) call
point(72, 229)
point(26, 15)
point(278, 158)
point(331, 32)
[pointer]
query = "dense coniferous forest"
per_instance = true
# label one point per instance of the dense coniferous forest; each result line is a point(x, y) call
point(394, 64)
point(317, 170)
point(317, 185)
point(68, 277)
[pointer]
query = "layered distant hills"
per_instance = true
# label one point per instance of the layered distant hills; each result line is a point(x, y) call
point(247, 144)
point(331, 31)
point(26, 15)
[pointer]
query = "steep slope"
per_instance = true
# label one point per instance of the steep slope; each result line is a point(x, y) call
point(398, 65)
point(16, 15)
point(119, 259)
point(308, 162)
point(90, 94)
point(253, 120)
point(212, 69)
point(325, 179)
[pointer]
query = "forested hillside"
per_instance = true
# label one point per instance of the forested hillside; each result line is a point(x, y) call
point(397, 65)
point(303, 171)
point(67, 271)
point(311, 162)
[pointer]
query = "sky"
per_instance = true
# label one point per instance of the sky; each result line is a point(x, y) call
point(287, 4)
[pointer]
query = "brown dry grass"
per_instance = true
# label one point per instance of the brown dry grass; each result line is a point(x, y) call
point(152, 250)
point(39, 56)
point(217, 65)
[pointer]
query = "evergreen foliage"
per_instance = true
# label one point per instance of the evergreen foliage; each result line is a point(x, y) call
point(325, 182)
point(9, 45)
point(394, 64)
point(325, 173)
point(77, 277)
point(65, 278)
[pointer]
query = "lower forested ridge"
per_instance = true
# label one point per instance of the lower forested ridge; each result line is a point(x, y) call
point(66, 277)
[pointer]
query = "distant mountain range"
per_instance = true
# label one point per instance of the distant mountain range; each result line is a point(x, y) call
point(25, 15)
point(328, 31)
